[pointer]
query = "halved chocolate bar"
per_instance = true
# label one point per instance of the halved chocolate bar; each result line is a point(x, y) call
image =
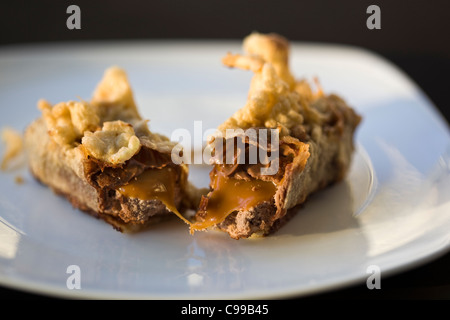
point(315, 135)
point(103, 158)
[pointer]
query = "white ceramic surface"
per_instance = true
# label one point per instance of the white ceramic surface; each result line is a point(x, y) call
point(392, 211)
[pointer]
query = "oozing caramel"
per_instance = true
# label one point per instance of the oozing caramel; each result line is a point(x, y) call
point(231, 195)
point(154, 184)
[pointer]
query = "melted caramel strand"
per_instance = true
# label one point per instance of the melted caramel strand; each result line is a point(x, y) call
point(231, 194)
point(154, 184)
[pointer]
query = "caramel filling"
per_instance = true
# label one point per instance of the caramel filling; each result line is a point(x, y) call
point(154, 184)
point(231, 195)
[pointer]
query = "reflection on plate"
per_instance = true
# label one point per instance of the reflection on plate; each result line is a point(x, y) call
point(391, 211)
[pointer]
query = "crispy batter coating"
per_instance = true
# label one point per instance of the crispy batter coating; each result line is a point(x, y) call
point(115, 95)
point(114, 144)
point(274, 49)
point(108, 128)
point(14, 146)
point(67, 121)
point(275, 99)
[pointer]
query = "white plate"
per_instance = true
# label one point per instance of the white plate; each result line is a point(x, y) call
point(392, 211)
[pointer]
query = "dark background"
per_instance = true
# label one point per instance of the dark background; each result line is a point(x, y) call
point(414, 35)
